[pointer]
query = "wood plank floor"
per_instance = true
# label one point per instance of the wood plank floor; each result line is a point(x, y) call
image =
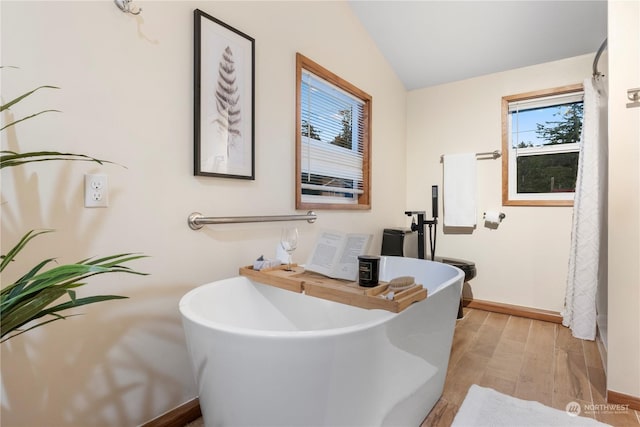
point(527, 359)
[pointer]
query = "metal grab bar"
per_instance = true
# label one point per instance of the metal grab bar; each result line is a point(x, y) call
point(196, 220)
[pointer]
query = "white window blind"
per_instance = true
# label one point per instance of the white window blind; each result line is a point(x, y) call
point(332, 127)
point(546, 101)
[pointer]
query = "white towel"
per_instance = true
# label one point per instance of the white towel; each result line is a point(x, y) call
point(460, 190)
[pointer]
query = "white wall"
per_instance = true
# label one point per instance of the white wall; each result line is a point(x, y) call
point(523, 261)
point(127, 91)
point(127, 96)
point(623, 362)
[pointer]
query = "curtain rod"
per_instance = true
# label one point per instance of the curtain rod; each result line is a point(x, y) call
point(602, 47)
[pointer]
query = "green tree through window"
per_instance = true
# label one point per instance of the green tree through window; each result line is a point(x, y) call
point(565, 131)
point(551, 173)
point(542, 132)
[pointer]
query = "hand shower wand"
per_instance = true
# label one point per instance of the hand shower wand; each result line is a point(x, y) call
point(433, 223)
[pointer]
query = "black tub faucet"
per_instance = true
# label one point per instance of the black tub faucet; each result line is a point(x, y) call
point(419, 226)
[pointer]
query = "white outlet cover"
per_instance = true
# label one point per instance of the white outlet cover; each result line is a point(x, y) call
point(96, 191)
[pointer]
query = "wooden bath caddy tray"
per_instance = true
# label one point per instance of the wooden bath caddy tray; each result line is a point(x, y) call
point(342, 291)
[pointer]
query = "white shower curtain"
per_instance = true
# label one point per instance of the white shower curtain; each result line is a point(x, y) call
point(588, 220)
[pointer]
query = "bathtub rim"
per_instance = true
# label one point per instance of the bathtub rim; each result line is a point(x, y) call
point(188, 314)
point(383, 315)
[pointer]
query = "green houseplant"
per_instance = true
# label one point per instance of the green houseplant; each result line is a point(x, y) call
point(32, 300)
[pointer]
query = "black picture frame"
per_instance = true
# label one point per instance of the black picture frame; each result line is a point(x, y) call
point(224, 111)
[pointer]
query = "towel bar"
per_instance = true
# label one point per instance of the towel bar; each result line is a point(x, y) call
point(494, 154)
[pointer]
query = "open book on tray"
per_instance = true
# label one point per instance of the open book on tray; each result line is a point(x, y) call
point(336, 254)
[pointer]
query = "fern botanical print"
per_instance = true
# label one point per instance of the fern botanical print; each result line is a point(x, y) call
point(227, 99)
point(223, 100)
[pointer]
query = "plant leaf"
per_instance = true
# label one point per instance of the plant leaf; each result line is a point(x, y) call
point(119, 258)
point(29, 297)
point(28, 310)
point(79, 302)
point(11, 158)
point(53, 311)
point(58, 277)
point(14, 289)
point(23, 96)
point(27, 118)
point(6, 259)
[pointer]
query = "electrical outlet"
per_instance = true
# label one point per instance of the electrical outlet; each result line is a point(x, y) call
point(96, 191)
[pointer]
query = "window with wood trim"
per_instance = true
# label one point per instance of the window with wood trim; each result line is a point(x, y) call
point(541, 137)
point(333, 140)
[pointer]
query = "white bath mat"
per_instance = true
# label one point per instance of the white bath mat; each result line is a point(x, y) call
point(486, 407)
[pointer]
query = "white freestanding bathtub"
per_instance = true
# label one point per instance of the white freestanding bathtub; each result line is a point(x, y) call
point(264, 356)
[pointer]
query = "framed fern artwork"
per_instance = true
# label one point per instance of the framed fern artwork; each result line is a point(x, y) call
point(224, 77)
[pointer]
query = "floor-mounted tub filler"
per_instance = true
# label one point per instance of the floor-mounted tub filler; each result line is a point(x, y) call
point(264, 356)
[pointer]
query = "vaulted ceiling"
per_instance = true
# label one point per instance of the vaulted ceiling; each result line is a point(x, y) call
point(432, 42)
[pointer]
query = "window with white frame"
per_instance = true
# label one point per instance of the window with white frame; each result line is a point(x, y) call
point(332, 140)
point(541, 136)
